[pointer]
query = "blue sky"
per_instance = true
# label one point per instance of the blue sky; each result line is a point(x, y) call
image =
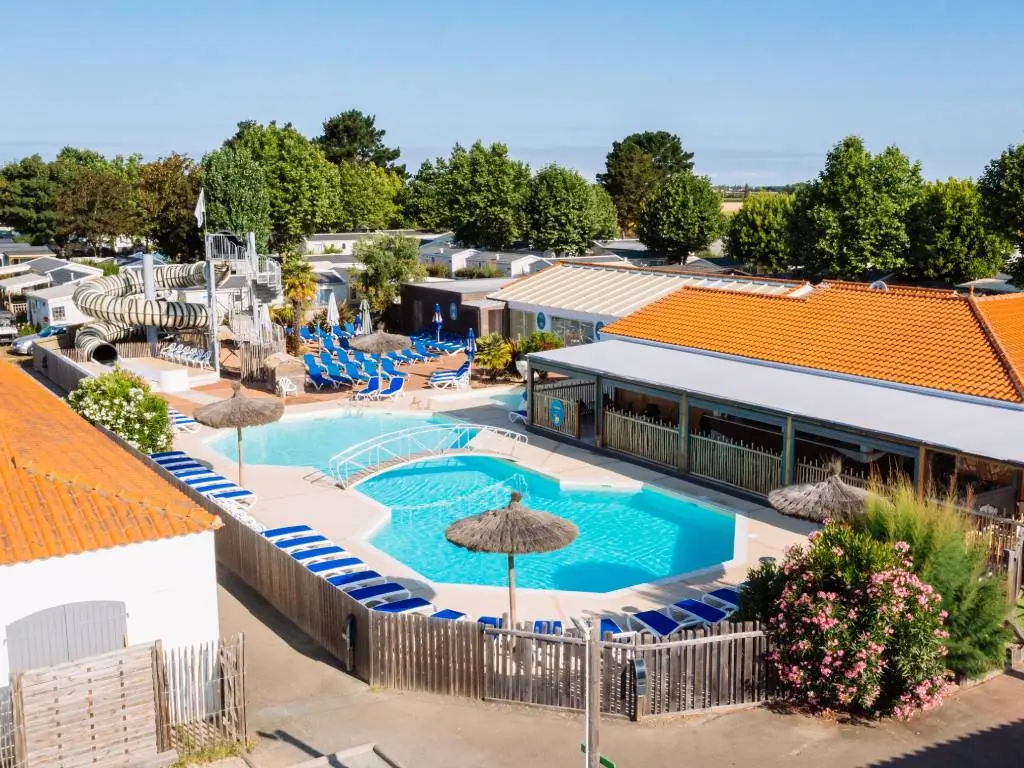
point(758, 90)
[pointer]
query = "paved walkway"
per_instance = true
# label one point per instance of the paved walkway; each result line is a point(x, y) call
point(302, 706)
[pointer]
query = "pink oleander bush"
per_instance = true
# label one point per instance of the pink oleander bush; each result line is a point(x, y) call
point(853, 628)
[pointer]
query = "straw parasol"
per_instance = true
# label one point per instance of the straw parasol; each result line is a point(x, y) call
point(512, 530)
point(380, 342)
point(240, 411)
point(831, 499)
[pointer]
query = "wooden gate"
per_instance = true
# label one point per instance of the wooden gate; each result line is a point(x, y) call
point(97, 711)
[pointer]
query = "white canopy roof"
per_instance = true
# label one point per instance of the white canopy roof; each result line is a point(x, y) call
point(617, 291)
point(20, 282)
point(990, 429)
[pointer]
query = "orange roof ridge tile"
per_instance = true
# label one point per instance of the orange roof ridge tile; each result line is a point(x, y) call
point(1014, 368)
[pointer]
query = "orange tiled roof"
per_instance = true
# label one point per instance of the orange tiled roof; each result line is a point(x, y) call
point(66, 488)
point(921, 337)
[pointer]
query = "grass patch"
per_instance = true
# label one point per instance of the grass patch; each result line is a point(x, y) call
point(208, 755)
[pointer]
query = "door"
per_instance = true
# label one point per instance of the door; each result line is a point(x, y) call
point(65, 633)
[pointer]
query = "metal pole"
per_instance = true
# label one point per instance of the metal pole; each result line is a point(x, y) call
point(211, 299)
point(149, 288)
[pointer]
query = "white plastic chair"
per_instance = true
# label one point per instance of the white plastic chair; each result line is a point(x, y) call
point(286, 386)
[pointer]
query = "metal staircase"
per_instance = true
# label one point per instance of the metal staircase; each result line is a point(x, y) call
point(407, 446)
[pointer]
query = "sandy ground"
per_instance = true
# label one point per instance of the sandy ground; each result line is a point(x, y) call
point(301, 706)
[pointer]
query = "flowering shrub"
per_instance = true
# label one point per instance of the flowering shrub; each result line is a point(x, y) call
point(122, 402)
point(853, 628)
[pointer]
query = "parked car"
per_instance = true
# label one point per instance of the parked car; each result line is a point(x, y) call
point(23, 344)
point(8, 327)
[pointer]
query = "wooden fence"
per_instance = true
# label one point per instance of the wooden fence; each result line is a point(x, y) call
point(816, 472)
point(569, 389)
point(656, 441)
point(252, 359)
point(127, 707)
point(543, 414)
point(735, 464)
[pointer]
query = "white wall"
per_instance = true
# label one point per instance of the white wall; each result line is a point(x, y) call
point(169, 588)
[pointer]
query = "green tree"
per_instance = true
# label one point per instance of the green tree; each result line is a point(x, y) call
point(388, 261)
point(299, 285)
point(853, 217)
point(352, 137)
point(1002, 189)
point(424, 200)
point(682, 216)
point(636, 166)
point(236, 194)
point(558, 211)
point(603, 216)
point(168, 189)
point(493, 353)
point(487, 193)
point(302, 186)
point(109, 266)
point(759, 233)
point(948, 236)
point(96, 205)
point(368, 196)
point(27, 194)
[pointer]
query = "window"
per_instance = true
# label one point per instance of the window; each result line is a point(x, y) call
point(58, 313)
point(572, 332)
point(521, 324)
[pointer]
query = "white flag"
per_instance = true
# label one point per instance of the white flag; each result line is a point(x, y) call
point(200, 211)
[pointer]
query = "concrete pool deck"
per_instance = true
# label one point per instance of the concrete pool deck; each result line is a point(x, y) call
point(290, 495)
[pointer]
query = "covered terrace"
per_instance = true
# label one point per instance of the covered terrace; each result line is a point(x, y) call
point(757, 426)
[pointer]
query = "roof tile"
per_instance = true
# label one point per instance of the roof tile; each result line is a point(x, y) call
point(914, 336)
point(66, 488)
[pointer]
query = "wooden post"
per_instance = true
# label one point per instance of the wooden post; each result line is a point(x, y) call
point(684, 433)
point(788, 453)
point(920, 471)
point(163, 721)
point(240, 483)
point(511, 591)
point(1012, 575)
point(598, 411)
point(594, 694)
point(529, 392)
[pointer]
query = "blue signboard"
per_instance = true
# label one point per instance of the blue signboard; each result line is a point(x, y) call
point(556, 413)
point(541, 321)
point(597, 329)
point(453, 311)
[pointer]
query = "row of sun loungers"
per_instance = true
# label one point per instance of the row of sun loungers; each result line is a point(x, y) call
point(202, 479)
point(183, 354)
point(456, 379)
point(182, 423)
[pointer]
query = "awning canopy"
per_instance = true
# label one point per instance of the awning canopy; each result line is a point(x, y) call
point(21, 282)
point(990, 429)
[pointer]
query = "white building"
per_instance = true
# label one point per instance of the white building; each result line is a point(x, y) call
point(20, 279)
point(337, 274)
point(53, 306)
point(97, 551)
point(345, 242)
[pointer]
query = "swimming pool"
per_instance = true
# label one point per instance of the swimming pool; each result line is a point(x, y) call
point(512, 400)
point(626, 537)
point(311, 441)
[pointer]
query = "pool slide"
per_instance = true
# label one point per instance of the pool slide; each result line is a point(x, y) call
point(117, 305)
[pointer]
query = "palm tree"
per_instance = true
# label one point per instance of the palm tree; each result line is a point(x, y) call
point(299, 283)
point(493, 353)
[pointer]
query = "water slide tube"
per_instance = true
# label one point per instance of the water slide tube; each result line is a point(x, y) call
point(117, 310)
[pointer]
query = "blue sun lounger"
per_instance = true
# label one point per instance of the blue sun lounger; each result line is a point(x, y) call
point(302, 541)
point(409, 605)
point(379, 593)
point(337, 565)
point(547, 627)
point(370, 391)
point(287, 530)
point(724, 598)
point(490, 621)
point(181, 422)
point(312, 554)
point(316, 378)
point(356, 579)
point(655, 622)
point(233, 493)
point(165, 455)
point(449, 614)
point(697, 614)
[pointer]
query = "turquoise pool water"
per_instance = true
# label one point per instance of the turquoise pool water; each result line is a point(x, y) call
point(312, 441)
point(625, 538)
point(512, 400)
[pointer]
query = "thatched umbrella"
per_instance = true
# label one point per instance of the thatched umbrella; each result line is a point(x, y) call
point(380, 342)
point(512, 530)
point(831, 499)
point(240, 411)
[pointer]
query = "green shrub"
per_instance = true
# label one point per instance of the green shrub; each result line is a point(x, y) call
point(438, 270)
point(122, 402)
point(853, 628)
point(472, 273)
point(540, 341)
point(948, 555)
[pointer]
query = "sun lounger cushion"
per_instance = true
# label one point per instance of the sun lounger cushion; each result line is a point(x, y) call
point(325, 566)
point(657, 622)
point(310, 554)
point(378, 591)
point(301, 541)
point(404, 606)
point(346, 579)
point(701, 610)
point(287, 530)
point(449, 614)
